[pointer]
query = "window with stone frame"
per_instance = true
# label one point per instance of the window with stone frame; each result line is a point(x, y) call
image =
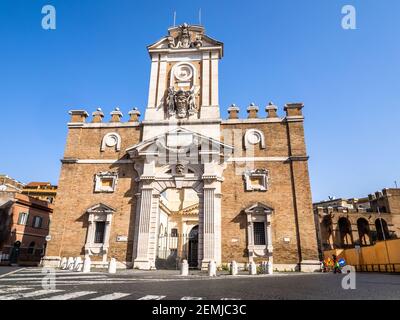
point(256, 180)
point(106, 181)
point(259, 230)
point(23, 218)
point(99, 229)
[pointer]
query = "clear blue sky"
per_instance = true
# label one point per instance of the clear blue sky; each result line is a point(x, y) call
point(275, 50)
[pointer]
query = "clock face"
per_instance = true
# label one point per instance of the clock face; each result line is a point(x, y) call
point(183, 72)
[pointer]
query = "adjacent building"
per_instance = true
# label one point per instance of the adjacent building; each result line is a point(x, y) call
point(345, 223)
point(185, 183)
point(24, 225)
point(41, 190)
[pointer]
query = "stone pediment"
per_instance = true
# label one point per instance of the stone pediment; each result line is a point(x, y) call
point(100, 208)
point(180, 141)
point(186, 37)
point(258, 208)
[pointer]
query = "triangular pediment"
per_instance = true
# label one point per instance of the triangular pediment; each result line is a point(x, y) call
point(178, 140)
point(175, 40)
point(100, 208)
point(258, 207)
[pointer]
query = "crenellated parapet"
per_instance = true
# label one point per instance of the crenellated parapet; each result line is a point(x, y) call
point(293, 112)
point(79, 118)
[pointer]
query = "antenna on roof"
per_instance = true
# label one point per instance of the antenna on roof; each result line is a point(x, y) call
point(200, 16)
point(174, 18)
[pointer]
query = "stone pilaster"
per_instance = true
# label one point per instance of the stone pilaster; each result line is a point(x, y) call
point(142, 260)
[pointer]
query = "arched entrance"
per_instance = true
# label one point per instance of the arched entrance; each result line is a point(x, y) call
point(193, 248)
point(346, 238)
point(363, 232)
point(178, 228)
point(327, 233)
point(382, 231)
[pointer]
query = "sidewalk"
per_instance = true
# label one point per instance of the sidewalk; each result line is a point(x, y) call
point(193, 274)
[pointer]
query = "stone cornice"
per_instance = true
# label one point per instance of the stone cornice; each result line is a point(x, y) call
point(104, 125)
point(252, 120)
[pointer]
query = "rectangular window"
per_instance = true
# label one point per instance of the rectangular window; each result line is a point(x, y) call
point(23, 218)
point(174, 233)
point(37, 222)
point(99, 232)
point(259, 233)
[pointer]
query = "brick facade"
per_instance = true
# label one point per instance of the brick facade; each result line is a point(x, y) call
point(270, 151)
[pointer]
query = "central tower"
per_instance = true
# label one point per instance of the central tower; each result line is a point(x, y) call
point(183, 88)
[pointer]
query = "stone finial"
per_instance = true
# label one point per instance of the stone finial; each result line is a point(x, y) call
point(78, 115)
point(252, 111)
point(116, 115)
point(233, 112)
point(98, 116)
point(134, 115)
point(271, 110)
point(293, 109)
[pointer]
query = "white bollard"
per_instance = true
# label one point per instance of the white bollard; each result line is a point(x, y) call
point(270, 269)
point(252, 268)
point(86, 265)
point(63, 263)
point(78, 264)
point(184, 268)
point(212, 269)
point(70, 263)
point(112, 266)
point(234, 268)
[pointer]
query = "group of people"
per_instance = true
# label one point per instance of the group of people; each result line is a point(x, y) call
point(333, 264)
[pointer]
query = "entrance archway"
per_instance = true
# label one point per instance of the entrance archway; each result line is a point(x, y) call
point(178, 228)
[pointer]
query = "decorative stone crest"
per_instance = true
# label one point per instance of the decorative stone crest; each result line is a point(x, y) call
point(180, 169)
point(183, 40)
point(181, 102)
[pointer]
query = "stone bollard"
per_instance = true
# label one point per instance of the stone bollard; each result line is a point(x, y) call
point(270, 269)
point(70, 263)
point(63, 263)
point(86, 265)
point(234, 268)
point(112, 266)
point(184, 268)
point(252, 268)
point(212, 269)
point(78, 264)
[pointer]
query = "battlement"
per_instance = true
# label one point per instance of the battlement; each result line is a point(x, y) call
point(79, 117)
point(293, 112)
